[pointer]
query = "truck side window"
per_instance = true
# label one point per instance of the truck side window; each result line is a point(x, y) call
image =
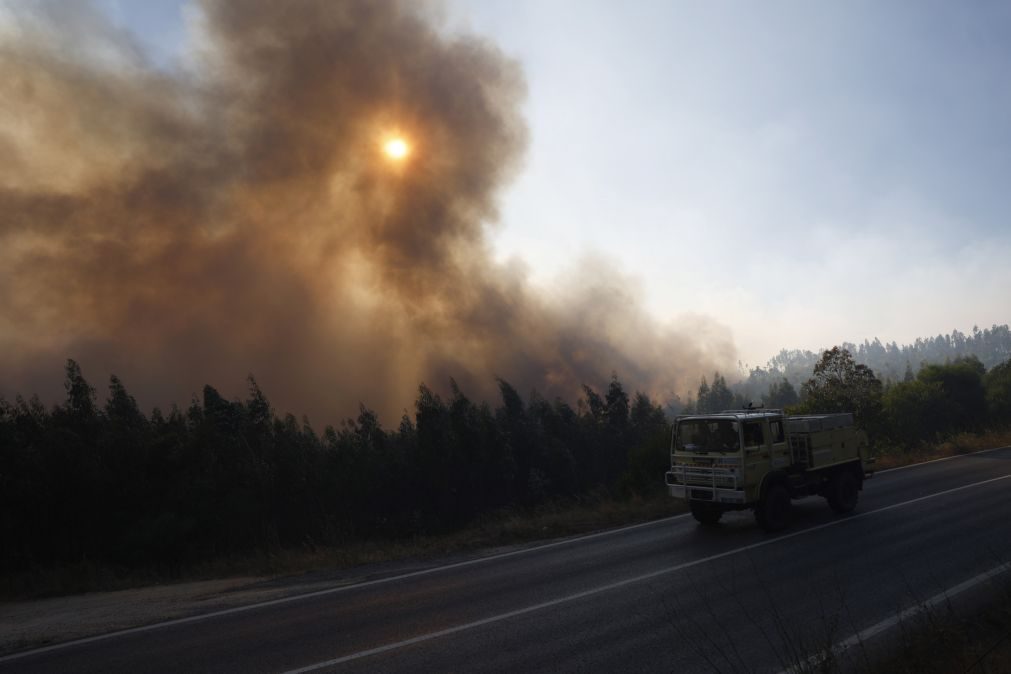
point(776, 427)
point(753, 436)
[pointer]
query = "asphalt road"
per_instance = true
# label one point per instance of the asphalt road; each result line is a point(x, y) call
point(665, 596)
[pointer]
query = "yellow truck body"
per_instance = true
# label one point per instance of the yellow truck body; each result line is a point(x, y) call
point(763, 459)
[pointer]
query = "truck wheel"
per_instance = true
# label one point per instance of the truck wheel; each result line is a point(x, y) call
point(707, 514)
point(773, 512)
point(843, 492)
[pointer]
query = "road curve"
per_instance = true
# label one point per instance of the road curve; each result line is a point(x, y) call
point(665, 596)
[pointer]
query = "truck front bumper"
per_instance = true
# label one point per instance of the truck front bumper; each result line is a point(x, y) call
point(701, 492)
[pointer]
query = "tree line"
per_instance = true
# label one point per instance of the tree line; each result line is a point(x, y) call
point(890, 361)
point(105, 483)
point(959, 395)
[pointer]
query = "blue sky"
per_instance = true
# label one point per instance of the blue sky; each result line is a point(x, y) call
point(803, 173)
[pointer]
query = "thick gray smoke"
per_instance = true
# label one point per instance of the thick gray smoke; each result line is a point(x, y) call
point(181, 229)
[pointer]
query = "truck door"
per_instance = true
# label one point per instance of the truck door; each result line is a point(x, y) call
point(780, 449)
point(756, 451)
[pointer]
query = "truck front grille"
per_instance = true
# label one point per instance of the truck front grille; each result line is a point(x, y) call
point(704, 476)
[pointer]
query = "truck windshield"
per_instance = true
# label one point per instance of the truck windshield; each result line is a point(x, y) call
point(708, 435)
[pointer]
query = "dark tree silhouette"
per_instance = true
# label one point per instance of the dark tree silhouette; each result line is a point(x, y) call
point(839, 384)
point(84, 483)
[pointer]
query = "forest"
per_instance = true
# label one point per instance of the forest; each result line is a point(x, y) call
point(109, 484)
point(101, 481)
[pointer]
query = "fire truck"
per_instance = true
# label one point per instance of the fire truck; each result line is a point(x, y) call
point(762, 459)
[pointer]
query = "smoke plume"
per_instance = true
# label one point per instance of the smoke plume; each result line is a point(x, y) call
point(195, 226)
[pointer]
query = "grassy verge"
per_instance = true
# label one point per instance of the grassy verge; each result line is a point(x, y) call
point(508, 527)
point(936, 640)
point(943, 642)
point(963, 443)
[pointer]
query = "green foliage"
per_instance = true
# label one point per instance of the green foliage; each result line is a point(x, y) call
point(910, 408)
point(80, 395)
point(998, 394)
point(649, 447)
point(617, 409)
point(781, 394)
point(961, 385)
point(943, 400)
point(841, 385)
point(714, 398)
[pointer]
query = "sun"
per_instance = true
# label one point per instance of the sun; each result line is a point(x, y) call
point(396, 148)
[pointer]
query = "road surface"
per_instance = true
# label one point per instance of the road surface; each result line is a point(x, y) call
point(665, 596)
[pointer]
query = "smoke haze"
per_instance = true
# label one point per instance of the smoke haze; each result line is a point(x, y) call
point(179, 229)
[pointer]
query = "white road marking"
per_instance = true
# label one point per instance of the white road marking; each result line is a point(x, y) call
point(333, 590)
point(910, 612)
point(943, 458)
point(622, 583)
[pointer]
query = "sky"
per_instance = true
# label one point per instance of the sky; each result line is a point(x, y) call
point(793, 175)
point(806, 173)
point(803, 173)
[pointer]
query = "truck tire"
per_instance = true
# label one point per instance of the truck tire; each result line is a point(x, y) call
point(707, 514)
point(773, 512)
point(843, 491)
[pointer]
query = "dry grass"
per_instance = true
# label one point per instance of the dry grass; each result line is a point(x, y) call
point(508, 527)
point(963, 443)
point(980, 643)
point(504, 528)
